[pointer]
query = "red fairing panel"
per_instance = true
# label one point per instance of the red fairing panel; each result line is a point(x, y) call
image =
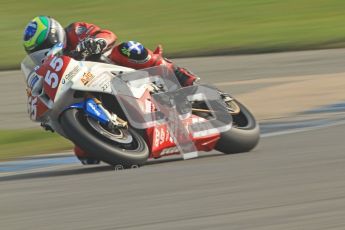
point(159, 140)
point(36, 108)
point(162, 144)
point(52, 71)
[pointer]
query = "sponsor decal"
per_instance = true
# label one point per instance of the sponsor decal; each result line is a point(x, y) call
point(126, 51)
point(169, 150)
point(95, 109)
point(33, 80)
point(162, 138)
point(80, 30)
point(148, 106)
point(197, 120)
point(162, 135)
point(72, 73)
point(101, 81)
point(157, 136)
point(105, 86)
point(83, 32)
point(87, 78)
point(32, 107)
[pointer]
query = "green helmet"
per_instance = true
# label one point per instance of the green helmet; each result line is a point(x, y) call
point(43, 32)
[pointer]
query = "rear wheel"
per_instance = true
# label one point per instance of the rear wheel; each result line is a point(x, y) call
point(244, 134)
point(115, 146)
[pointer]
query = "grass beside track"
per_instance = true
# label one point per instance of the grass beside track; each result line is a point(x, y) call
point(19, 143)
point(187, 27)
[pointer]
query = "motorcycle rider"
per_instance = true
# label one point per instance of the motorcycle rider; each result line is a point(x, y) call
point(82, 39)
point(85, 40)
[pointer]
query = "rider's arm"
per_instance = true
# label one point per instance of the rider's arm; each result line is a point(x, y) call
point(108, 36)
point(78, 31)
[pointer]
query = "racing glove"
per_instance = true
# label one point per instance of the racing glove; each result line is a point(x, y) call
point(91, 46)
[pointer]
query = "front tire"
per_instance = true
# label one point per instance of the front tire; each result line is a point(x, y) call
point(81, 132)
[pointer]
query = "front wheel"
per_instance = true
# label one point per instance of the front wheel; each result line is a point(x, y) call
point(116, 147)
point(243, 136)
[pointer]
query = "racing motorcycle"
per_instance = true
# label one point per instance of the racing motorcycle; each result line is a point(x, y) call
point(123, 116)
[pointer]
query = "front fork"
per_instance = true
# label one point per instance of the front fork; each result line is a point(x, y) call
point(93, 108)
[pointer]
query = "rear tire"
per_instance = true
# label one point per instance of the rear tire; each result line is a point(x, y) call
point(76, 127)
point(243, 136)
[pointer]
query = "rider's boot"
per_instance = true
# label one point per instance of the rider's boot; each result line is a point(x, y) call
point(185, 77)
point(84, 157)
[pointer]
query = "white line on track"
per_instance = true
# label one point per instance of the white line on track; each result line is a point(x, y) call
point(38, 170)
point(272, 134)
point(298, 130)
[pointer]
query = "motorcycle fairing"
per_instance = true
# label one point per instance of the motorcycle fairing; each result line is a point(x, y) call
point(96, 77)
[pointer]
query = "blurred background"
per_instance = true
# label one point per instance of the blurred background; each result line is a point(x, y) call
point(188, 28)
point(185, 28)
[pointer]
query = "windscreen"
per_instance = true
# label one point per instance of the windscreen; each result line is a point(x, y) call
point(35, 59)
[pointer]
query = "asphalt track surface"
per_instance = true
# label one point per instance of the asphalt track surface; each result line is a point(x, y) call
point(292, 180)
